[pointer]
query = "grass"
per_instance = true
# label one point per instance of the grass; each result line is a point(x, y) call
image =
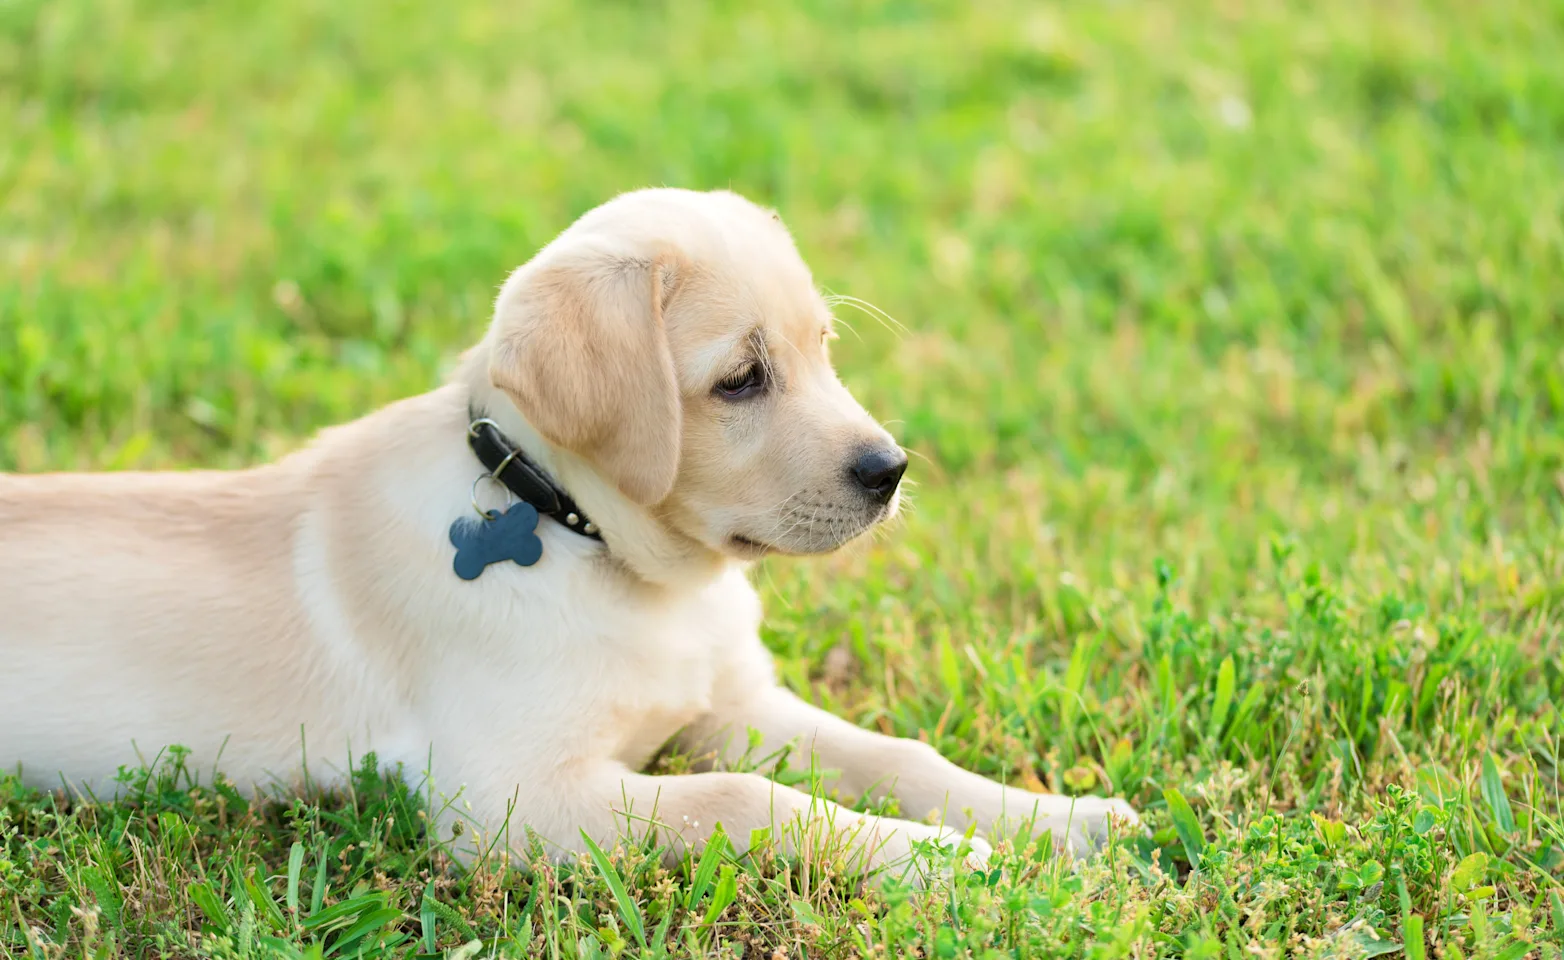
point(1234, 373)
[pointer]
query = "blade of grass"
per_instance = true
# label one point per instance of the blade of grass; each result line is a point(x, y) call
point(427, 918)
point(295, 868)
point(265, 905)
point(628, 911)
point(706, 869)
point(1186, 825)
point(366, 925)
point(726, 891)
point(1224, 698)
point(318, 888)
point(345, 913)
point(211, 906)
point(1492, 789)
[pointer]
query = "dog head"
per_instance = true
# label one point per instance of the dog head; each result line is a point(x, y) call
point(676, 342)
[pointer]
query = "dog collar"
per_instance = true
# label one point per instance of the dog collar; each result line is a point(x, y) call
point(509, 465)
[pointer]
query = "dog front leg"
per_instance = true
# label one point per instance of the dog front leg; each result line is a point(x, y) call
point(607, 801)
point(924, 783)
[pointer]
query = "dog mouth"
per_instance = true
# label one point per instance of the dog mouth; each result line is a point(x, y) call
point(817, 530)
point(747, 547)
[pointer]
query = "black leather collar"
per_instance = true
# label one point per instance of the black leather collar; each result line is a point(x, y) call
point(525, 479)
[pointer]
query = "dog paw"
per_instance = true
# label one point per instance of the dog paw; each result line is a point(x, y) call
point(1080, 825)
point(1087, 824)
point(918, 852)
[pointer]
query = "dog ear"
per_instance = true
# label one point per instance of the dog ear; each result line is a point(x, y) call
point(580, 348)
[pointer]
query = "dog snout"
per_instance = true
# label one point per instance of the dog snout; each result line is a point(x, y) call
point(879, 471)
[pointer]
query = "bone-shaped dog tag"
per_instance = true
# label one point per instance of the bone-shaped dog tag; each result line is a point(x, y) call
point(506, 536)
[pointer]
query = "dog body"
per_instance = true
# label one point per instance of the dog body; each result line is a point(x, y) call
point(334, 568)
point(664, 361)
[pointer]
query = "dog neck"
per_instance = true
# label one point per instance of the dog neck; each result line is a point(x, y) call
point(637, 537)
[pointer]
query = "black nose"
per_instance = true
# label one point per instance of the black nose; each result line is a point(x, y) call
point(879, 471)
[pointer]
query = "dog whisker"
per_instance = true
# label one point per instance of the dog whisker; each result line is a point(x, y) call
point(885, 319)
point(850, 329)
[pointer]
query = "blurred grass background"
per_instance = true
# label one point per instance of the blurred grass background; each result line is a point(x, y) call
point(1269, 292)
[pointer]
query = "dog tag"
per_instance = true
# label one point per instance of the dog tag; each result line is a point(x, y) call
point(507, 536)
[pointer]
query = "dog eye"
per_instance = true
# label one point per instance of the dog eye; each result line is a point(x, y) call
point(746, 383)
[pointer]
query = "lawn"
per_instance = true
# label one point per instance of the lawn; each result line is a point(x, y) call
point(1233, 370)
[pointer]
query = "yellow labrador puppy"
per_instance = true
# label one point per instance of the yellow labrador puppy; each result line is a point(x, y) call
point(532, 577)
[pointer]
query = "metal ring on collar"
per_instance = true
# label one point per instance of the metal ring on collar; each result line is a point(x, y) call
point(510, 497)
point(472, 428)
point(495, 473)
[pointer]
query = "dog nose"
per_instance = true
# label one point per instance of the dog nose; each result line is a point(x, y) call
point(879, 471)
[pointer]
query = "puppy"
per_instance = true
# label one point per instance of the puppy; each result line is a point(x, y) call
point(656, 388)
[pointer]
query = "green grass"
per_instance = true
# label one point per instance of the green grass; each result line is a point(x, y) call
point(1235, 376)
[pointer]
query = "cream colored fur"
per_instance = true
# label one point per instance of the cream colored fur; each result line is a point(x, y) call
point(311, 602)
